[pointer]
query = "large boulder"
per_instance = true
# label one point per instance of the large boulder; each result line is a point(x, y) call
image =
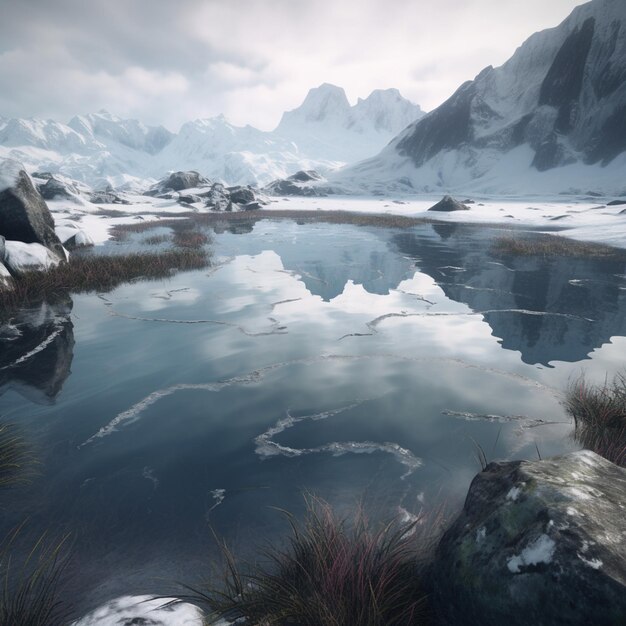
point(106, 197)
point(305, 176)
point(177, 181)
point(217, 198)
point(448, 204)
point(241, 195)
point(286, 187)
point(54, 188)
point(24, 215)
point(541, 542)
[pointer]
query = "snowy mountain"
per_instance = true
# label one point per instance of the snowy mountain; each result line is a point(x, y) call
point(108, 129)
point(327, 126)
point(234, 154)
point(551, 119)
point(98, 149)
point(101, 149)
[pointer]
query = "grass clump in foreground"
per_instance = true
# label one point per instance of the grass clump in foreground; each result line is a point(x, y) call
point(599, 413)
point(16, 460)
point(554, 246)
point(331, 573)
point(29, 589)
point(97, 273)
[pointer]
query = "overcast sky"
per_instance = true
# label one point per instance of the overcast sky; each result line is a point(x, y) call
point(168, 61)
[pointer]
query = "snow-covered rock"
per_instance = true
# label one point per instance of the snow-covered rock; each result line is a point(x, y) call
point(143, 610)
point(552, 118)
point(532, 540)
point(26, 257)
point(54, 188)
point(73, 237)
point(239, 198)
point(6, 280)
point(178, 181)
point(24, 215)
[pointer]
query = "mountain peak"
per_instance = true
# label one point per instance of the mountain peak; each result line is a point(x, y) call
point(322, 104)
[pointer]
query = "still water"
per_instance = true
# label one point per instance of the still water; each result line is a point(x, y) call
point(364, 365)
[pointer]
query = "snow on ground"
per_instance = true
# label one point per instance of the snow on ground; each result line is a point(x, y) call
point(580, 217)
point(585, 219)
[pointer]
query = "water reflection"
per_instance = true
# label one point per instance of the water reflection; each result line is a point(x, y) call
point(327, 258)
point(350, 362)
point(37, 351)
point(582, 301)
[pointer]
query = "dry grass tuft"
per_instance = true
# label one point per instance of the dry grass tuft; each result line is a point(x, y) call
point(331, 573)
point(16, 459)
point(599, 413)
point(29, 588)
point(554, 246)
point(97, 273)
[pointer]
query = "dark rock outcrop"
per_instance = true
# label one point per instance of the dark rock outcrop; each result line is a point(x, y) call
point(106, 197)
point(301, 183)
point(177, 181)
point(241, 195)
point(24, 215)
point(616, 203)
point(188, 198)
point(305, 176)
point(562, 95)
point(448, 204)
point(221, 198)
point(540, 543)
point(54, 188)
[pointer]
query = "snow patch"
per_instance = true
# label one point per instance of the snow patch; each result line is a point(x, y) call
point(9, 173)
point(22, 257)
point(539, 551)
point(514, 492)
point(593, 563)
point(143, 610)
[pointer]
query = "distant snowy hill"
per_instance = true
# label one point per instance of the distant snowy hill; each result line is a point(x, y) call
point(234, 154)
point(101, 149)
point(551, 119)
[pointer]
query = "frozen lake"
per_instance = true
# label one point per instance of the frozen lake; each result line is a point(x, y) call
point(362, 364)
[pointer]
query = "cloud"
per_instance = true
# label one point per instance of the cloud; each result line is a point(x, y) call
point(167, 62)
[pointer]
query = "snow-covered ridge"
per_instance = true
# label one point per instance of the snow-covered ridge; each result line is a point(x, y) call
point(554, 115)
point(101, 149)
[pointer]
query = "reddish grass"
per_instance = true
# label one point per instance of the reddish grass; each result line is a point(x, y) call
point(96, 273)
point(599, 413)
point(332, 573)
point(554, 246)
point(190, 239)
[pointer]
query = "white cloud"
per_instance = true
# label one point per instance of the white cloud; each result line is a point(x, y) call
point(250, 59)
